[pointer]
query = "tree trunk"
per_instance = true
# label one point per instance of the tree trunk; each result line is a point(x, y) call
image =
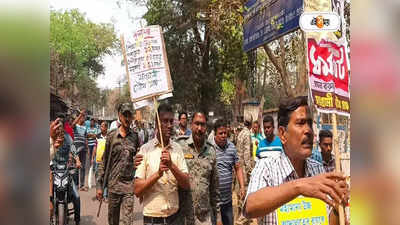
point(265, 77)
point(280, 66)
point(205, 73)
point(301, 85)
point(236, 101)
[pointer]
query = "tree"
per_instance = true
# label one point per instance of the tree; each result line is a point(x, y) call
point(204, 44)
point(77, 46)
point(287, 54)
point(207, 63)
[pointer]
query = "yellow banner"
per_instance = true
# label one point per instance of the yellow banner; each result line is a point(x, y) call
point(101, 145)
point(303, 211)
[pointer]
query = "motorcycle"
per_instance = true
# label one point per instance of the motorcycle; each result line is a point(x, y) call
point(62, 192)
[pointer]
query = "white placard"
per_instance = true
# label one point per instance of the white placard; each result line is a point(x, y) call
point(147, 64)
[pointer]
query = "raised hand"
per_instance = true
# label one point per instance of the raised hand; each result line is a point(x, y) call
point(53, 128)
point(99, 194)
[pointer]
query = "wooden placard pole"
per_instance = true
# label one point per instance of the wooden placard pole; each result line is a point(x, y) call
point(158, 121)
point(125, 59)
point(337, 162)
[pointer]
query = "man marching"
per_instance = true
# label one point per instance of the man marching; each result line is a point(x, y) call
point(118, 159)
point(200, 203)
point(160, 174)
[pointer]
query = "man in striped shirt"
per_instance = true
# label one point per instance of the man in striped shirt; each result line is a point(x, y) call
point(80, 143)
point(227, 160)
point(271, 145)
point(91, 140)
point(276, 181)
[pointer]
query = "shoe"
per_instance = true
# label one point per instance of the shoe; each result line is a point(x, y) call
point(51, 221)
point(77, 222)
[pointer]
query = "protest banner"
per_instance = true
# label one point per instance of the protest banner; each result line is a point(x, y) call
point(146, 63)
point(328, 74)
point(303, 211)
point(147, 67)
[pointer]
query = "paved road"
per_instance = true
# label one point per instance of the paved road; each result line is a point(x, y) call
point(89, 207)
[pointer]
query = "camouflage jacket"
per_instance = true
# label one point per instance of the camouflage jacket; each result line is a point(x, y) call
point(121, 172)
point(244, 150)
point(201, 202)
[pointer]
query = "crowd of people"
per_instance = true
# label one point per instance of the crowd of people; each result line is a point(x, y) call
point(189, 174)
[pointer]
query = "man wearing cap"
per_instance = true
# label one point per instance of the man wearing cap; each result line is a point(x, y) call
point(244, 151)
point(122, 144)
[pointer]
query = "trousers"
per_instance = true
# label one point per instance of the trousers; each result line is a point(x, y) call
point(120, 209)
point(82, 157)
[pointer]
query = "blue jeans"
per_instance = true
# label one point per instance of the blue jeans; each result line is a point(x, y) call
point(227, 213)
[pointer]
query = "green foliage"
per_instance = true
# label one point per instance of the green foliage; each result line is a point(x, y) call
point(79, 42)
point(203, 43)
point(204, 46)
point(227, 92)
point(77, 46)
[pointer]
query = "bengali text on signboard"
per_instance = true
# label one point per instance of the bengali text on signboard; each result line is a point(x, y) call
point(329, 76)
point(303, 211)
point(266, 20)
point(147, 63)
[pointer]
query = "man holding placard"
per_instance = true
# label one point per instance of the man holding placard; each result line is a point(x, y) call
point(161, 172)
point(277, 184)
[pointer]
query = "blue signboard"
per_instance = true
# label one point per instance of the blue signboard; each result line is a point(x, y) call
point(266, 20)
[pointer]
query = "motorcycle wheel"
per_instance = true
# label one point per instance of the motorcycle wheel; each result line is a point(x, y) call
point(61, 214)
